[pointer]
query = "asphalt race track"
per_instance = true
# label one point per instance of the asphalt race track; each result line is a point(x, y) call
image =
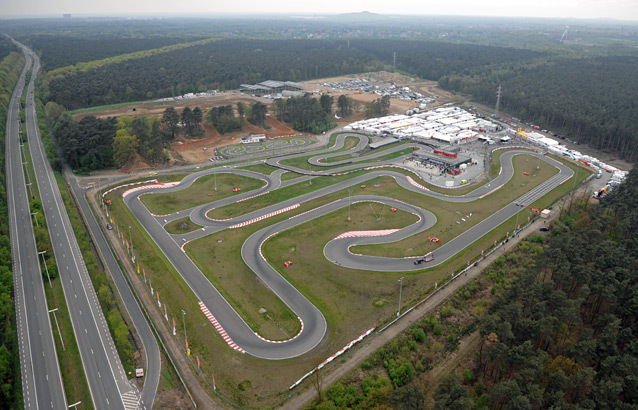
point(314, 326)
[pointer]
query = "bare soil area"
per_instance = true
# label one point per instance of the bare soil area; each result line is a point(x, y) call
point(199, 150)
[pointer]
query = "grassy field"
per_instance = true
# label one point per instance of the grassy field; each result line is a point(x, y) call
point(267, 381)
point(261, 168)
point(198, 193)
point(222, 264)
point(181, 226)
point(448, 214)
point(367, 298)
point(111, 107)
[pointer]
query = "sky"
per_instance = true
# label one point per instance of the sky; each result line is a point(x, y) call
point(588, 9)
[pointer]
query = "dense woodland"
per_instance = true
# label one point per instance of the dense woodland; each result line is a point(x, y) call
point(61, 51)
point(220, 64)
point(306, 114)
point(10, 391)
point(6, 47)
point(565, 334)
point(586, 97)
point(589, 100)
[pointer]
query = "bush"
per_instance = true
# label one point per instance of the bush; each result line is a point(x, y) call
point(419, 334)
point(401, 375)
point(437, 330)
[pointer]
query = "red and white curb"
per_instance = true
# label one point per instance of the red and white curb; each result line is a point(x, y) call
point(416, 184)
point(145, 187)
point(219, 328)
point(492, 191)
point(260, 218)
point(131, 184)
point(184, 244)
point(334, 356)
point(252, 197)
point(366, 234)
point(282, 341)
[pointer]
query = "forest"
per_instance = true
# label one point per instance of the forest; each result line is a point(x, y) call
point(10, 391)
point(220, 64)
point(587, 97)
point(554, 321)
point(306, 113)
point(62, 51)
point(564, 334)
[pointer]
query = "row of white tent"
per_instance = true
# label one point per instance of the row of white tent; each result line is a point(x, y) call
point(557, 148)
point(448, 124)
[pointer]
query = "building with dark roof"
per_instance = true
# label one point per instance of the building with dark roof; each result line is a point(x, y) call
point(270, 87)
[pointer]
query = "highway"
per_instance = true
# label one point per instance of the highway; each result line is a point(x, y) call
point(108, 383)
point(42, 386)
point(314, 324)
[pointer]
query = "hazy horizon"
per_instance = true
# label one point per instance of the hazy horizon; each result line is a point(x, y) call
point(621, 10)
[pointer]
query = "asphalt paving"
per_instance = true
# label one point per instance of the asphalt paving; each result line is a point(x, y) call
point(151, 348)
point(42, 385)
point(108, 383)
point(314, 324)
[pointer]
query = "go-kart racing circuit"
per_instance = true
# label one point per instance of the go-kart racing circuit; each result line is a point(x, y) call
point(313, 326)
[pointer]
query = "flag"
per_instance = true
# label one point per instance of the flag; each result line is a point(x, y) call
point(198, 363)
point(174, 330)
point(138, 268)
point(158, 300)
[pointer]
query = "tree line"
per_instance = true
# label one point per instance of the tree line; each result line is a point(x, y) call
point(305, 113)
point(94, 143)
point(587, 98)
point(10, 392)
point(223, 64)
point(564, 334)
point(65, 50)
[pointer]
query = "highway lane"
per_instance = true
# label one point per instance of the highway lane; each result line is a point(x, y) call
point(42, 386)
point(311, 317)
point(151, 348)
point(107, 381)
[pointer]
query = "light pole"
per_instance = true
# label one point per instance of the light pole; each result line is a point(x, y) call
point(215, 178)
point(58, 326)
point(131, 239)
point(36, 219)
point(75, 404)
point(517, 213)
point(45, 267)
point(184, 321)
point(539, 164)
point(349, 192)
point(400, 292)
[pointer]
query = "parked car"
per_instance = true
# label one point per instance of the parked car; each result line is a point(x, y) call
point(544, 229)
